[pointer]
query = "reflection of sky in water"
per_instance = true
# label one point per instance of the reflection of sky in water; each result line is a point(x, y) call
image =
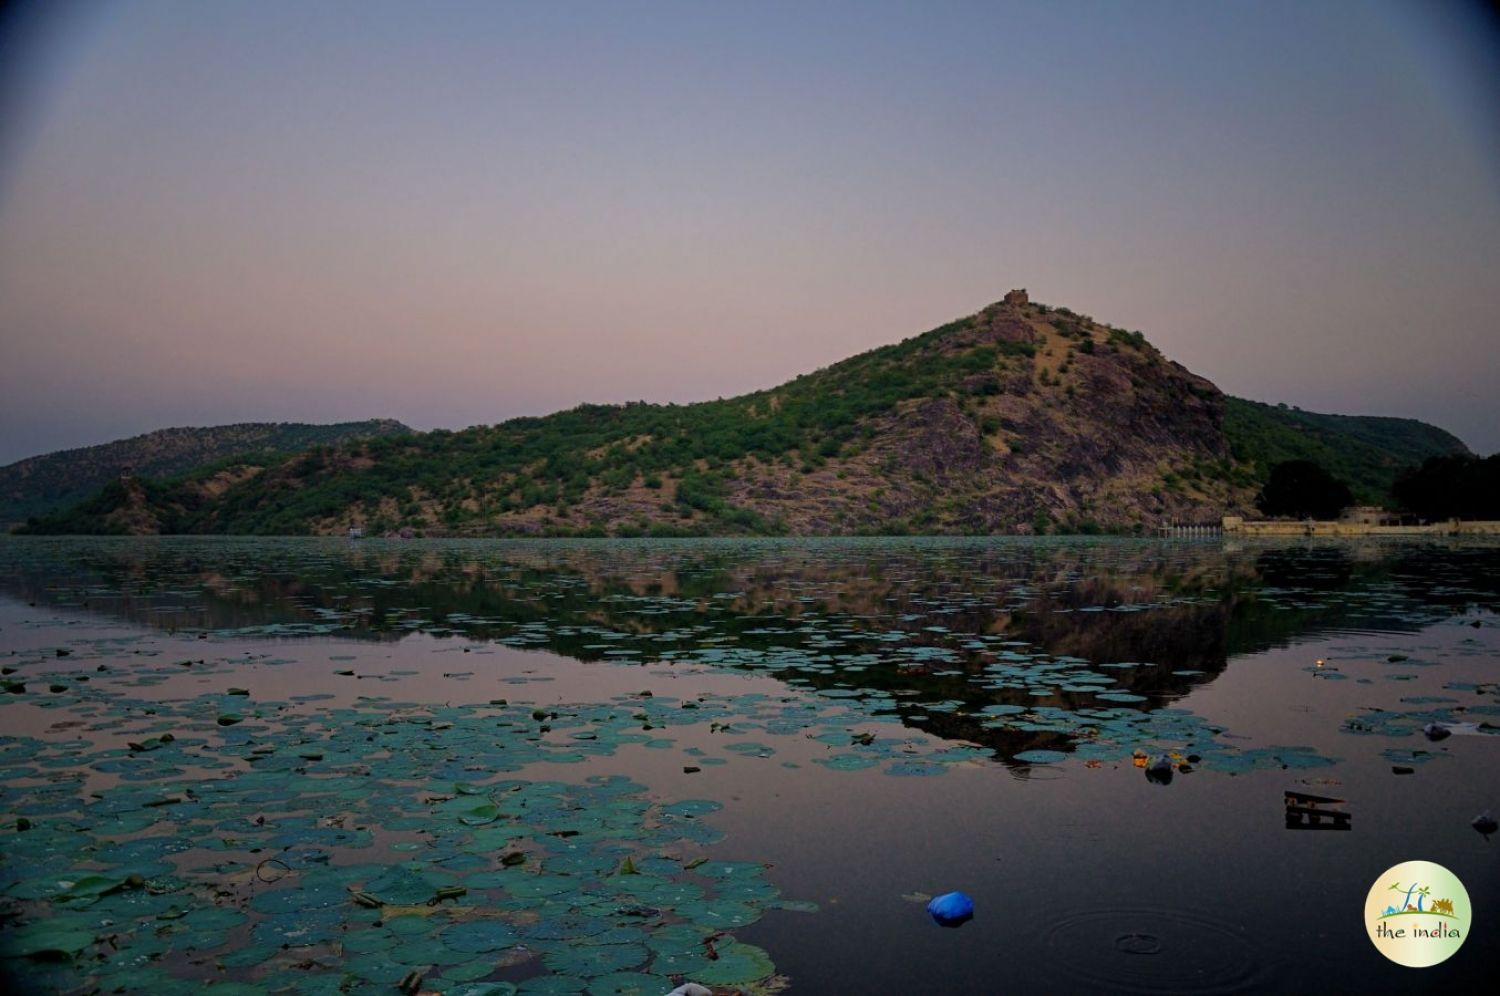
point(800, 687)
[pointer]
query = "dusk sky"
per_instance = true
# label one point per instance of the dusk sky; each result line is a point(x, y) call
point(453, 214)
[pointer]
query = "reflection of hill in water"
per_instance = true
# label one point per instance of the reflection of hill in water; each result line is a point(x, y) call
point(1175, 608)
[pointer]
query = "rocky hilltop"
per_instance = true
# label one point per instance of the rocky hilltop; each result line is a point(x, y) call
point(1020, 418)
point(49, 483)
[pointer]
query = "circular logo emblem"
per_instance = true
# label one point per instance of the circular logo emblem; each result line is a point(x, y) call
point(1417, 914)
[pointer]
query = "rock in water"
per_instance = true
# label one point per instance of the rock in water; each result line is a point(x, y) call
point(1160, 772)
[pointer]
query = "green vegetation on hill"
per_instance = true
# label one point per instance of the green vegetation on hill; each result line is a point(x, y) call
point(944, 431)
point(1364, 451)
point(1018, 418)
point(54, 481)
point(553, 461)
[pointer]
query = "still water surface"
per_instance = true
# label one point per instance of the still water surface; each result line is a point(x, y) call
point(608, 767)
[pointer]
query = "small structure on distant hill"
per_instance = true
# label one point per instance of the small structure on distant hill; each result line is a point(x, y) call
point(1017, 298)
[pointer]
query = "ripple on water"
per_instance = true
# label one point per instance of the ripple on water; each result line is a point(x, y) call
point(1150, 950)
point(1038, 773)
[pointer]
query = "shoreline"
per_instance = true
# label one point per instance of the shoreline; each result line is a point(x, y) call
point(1235, 526)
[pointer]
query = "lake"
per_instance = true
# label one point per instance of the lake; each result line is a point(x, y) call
point(613, 766)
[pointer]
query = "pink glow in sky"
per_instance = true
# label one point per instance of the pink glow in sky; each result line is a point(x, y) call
point(457, 213)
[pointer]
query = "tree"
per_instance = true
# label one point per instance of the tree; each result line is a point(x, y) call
point(1301, 489)
point(1451, 487)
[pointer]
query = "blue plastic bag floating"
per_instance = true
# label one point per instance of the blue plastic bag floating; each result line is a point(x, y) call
point(951, 909)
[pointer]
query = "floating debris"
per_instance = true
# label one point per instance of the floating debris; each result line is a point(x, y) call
point(1305, 811)
point(951, 909)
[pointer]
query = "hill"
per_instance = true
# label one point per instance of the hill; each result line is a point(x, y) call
point(1019, 418)
point(1364, 451)
point(55, 481)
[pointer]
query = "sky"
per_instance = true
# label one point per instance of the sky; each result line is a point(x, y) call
point(456, 213)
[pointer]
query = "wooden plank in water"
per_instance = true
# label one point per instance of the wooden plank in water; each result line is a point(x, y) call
point(1304, 797)
point(1312, 818)
point(1315, 813)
